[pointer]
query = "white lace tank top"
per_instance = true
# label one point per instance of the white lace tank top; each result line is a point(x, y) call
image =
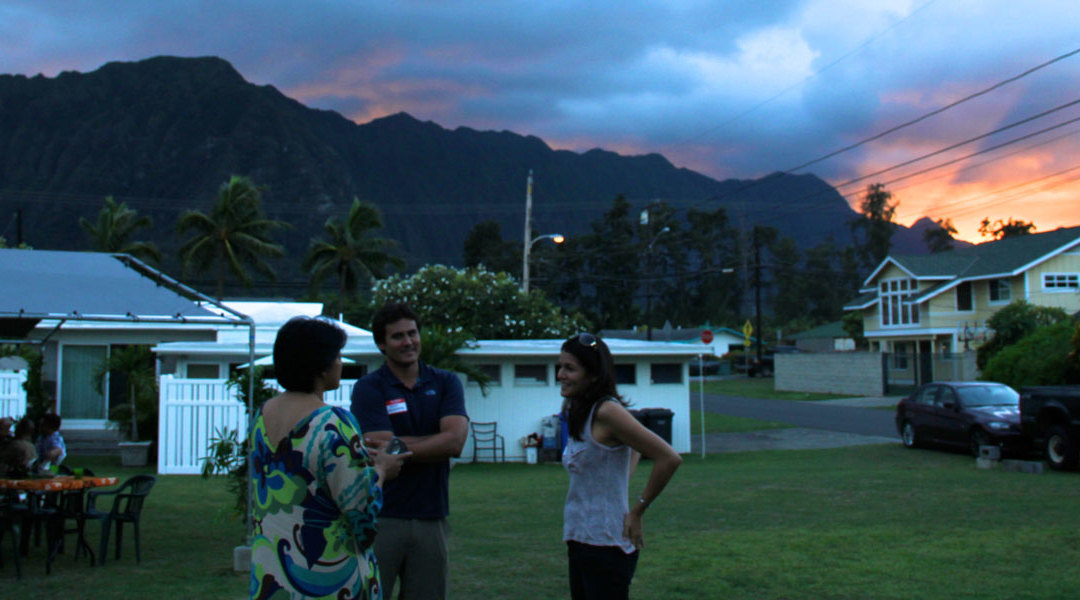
point(597, 499)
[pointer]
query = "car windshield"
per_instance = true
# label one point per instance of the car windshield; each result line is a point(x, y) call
point(988, 395)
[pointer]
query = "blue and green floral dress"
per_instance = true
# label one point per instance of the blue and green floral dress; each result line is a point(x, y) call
point(315, 505)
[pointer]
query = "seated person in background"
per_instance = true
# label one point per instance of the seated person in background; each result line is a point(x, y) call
point(50, 446)
point(5, 429)
point(19, 454)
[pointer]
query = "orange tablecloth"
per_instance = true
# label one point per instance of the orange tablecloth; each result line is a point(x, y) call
point(55, 484)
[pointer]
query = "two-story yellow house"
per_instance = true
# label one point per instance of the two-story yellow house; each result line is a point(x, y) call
point(937, 304)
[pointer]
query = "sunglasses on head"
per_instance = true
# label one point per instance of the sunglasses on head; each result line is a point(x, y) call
point(586, 339)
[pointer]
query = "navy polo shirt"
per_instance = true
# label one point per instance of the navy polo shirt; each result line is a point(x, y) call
point(382, 403)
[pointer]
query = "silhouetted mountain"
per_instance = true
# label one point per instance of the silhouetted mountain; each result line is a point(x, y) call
point(162, 134)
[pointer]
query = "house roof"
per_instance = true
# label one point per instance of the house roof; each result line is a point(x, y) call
point(50, 284)
point(1002, 258)
point(862, 301)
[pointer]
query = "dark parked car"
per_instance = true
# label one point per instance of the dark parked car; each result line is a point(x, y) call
point(709, 365)
point(1050, 419)
point(965, 414)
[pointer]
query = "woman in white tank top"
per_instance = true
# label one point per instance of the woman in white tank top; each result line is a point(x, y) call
point(601, 527)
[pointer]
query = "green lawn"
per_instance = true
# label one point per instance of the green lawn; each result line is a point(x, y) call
point(877, 522)
point(756, 387)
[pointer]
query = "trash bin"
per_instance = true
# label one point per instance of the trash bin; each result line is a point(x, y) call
point(658, 420)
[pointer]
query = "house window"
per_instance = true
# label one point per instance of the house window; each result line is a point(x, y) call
point(964, 302)
point(353, 371)
point(900, 356)
point(79, 397)
point(1000, 291)
point(202, 371)
point(896, 305)
point(493, 372)
point(1060, 282)
point(626, 374)
point(666, 373)
point(530, 374)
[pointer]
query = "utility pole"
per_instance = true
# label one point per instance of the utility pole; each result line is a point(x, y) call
point(18, 228)
point(757, 292)
point(527, 237)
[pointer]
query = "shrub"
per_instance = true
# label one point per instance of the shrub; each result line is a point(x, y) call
point(1041, 358)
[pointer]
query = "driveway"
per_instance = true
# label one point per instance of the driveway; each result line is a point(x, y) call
point(823, 424)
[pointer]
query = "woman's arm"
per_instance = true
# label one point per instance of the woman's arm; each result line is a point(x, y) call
point(618, 425)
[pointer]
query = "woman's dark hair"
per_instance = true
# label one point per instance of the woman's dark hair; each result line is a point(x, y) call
point(595, 358)
point(304, 348)
point(390, 313)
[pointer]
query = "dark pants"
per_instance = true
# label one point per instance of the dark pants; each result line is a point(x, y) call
point(600, 572)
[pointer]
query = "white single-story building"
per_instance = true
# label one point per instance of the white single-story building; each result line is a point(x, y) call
point(522, 391)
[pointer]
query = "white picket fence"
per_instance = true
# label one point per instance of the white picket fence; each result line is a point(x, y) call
point(192, 411)
point(12, 394)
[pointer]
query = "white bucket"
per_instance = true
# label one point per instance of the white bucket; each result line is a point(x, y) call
point(530, 455)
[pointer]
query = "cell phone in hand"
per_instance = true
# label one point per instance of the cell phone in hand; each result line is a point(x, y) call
point(396, 446)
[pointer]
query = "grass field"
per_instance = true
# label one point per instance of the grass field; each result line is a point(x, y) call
point(877, 522)
point(756, 387)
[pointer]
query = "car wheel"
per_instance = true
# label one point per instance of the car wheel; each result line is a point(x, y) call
point(978, 438)
point(908, 435)
point(1061, 450)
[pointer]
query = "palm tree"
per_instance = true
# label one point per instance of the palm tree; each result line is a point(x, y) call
point(352, 253)
point(234, 236)
point(115, 225)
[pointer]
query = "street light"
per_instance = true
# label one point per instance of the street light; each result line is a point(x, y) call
point(555, 237)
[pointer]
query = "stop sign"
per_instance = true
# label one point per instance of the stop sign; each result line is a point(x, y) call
point(706, 336)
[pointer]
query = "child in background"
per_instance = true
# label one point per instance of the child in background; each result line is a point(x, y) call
point(50, 446)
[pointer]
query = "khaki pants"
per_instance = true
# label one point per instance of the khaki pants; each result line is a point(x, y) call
point(416, 552)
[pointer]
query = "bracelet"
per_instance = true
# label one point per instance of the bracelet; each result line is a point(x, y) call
point(642, 502)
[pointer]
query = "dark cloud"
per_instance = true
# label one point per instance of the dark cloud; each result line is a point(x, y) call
point(735, 89)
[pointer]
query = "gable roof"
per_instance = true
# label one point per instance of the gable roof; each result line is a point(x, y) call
point(1001, 258)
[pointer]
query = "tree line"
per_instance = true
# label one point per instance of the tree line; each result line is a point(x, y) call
point(629, 269)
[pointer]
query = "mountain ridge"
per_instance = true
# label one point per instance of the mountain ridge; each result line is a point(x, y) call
point(163, 133)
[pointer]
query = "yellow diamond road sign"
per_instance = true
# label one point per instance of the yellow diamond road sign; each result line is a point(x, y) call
point(747, 329)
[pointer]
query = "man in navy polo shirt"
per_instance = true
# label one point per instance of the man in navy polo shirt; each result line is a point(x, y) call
point(425, 408)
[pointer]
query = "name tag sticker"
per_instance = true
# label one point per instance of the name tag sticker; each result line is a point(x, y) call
point(395, 406)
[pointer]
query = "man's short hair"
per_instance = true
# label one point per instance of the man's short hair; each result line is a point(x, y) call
point(304, 348)
point(391, 313)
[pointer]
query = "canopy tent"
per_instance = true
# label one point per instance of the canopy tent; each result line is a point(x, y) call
point(52, 285)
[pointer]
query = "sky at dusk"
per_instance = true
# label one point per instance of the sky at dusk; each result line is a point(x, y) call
point(733, 88)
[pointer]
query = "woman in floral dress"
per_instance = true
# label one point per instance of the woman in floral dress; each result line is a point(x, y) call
point(318, 490)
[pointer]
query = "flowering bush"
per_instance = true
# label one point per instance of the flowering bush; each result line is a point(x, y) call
point(482, 304)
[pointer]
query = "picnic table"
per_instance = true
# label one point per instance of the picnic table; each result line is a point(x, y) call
point(50, 500)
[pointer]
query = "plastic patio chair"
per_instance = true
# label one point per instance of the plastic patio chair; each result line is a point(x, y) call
point(126, 508)
point(11, 516)
point(486, 438)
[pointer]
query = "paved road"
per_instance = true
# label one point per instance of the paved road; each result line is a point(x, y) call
point(829, 424)
point(830, 416)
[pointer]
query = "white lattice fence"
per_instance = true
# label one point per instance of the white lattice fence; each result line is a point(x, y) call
point(191, 411)
point(12, 394)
